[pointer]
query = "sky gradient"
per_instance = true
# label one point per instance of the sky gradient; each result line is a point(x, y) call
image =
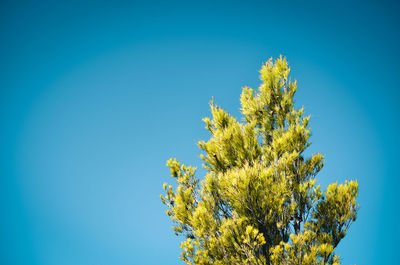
point(96, 96)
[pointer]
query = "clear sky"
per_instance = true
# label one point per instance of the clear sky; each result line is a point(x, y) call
point(96, 96)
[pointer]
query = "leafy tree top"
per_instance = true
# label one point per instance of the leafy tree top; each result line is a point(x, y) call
point(259, 202)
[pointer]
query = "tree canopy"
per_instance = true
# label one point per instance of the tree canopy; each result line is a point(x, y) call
point(259, 202)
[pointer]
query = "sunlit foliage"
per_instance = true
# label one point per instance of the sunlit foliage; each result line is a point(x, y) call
point(259, 202)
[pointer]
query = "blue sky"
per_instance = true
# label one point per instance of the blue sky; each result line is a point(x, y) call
point(96, 96)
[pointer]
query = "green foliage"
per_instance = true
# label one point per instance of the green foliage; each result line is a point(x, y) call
point(259, 202)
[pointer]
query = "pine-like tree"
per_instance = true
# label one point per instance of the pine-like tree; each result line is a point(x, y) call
point(259, 202)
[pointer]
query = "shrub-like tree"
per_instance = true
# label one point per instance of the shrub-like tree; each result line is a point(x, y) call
point(259, 202)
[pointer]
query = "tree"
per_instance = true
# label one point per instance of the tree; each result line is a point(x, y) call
point(259, 202)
